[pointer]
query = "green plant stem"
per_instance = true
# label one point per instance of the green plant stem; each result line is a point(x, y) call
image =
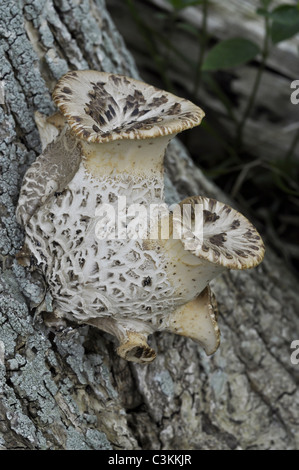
point(202, 48)
point(255, 88)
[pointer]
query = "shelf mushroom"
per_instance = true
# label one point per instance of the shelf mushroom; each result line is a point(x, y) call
point(86, 207)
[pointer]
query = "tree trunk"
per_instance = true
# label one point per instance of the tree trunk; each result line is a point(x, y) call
point(69, 389)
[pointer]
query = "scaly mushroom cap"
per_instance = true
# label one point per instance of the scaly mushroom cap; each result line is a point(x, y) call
point(102, 107)
point(228, 239)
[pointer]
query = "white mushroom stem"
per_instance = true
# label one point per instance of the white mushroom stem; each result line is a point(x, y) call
point(135, 158)
point(194, 273)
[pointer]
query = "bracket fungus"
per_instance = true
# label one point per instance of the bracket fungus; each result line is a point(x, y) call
point(103, 151)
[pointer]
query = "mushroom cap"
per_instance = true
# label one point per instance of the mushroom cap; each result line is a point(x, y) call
point(228, 239)
point(102, 107)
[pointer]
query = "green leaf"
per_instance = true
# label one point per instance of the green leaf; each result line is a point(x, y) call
point(285, 14)
point(230, 53)
point(180, 4)
point(281, 32)
point(285, 22)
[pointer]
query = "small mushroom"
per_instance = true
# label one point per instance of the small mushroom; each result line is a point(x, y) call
point(102, 160)
point(198, 248)
point(228, 239)
point(198, 320)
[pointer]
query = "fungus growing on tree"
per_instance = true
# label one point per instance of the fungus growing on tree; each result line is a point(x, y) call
point(105, 149)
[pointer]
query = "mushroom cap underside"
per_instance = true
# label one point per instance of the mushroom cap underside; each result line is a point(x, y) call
point(102, 107)
point(220, 235)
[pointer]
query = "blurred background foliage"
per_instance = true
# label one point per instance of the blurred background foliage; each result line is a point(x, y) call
point(244, 91)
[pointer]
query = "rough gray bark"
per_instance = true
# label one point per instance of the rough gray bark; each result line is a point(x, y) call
point(69, 389)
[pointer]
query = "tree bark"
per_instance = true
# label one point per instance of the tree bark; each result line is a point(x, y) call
point(69, 389)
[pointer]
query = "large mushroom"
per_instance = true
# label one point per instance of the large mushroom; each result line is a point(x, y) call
point(105, 148)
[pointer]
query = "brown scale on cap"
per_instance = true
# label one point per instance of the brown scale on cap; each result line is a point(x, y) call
point(229, 239)
point(102, 107)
